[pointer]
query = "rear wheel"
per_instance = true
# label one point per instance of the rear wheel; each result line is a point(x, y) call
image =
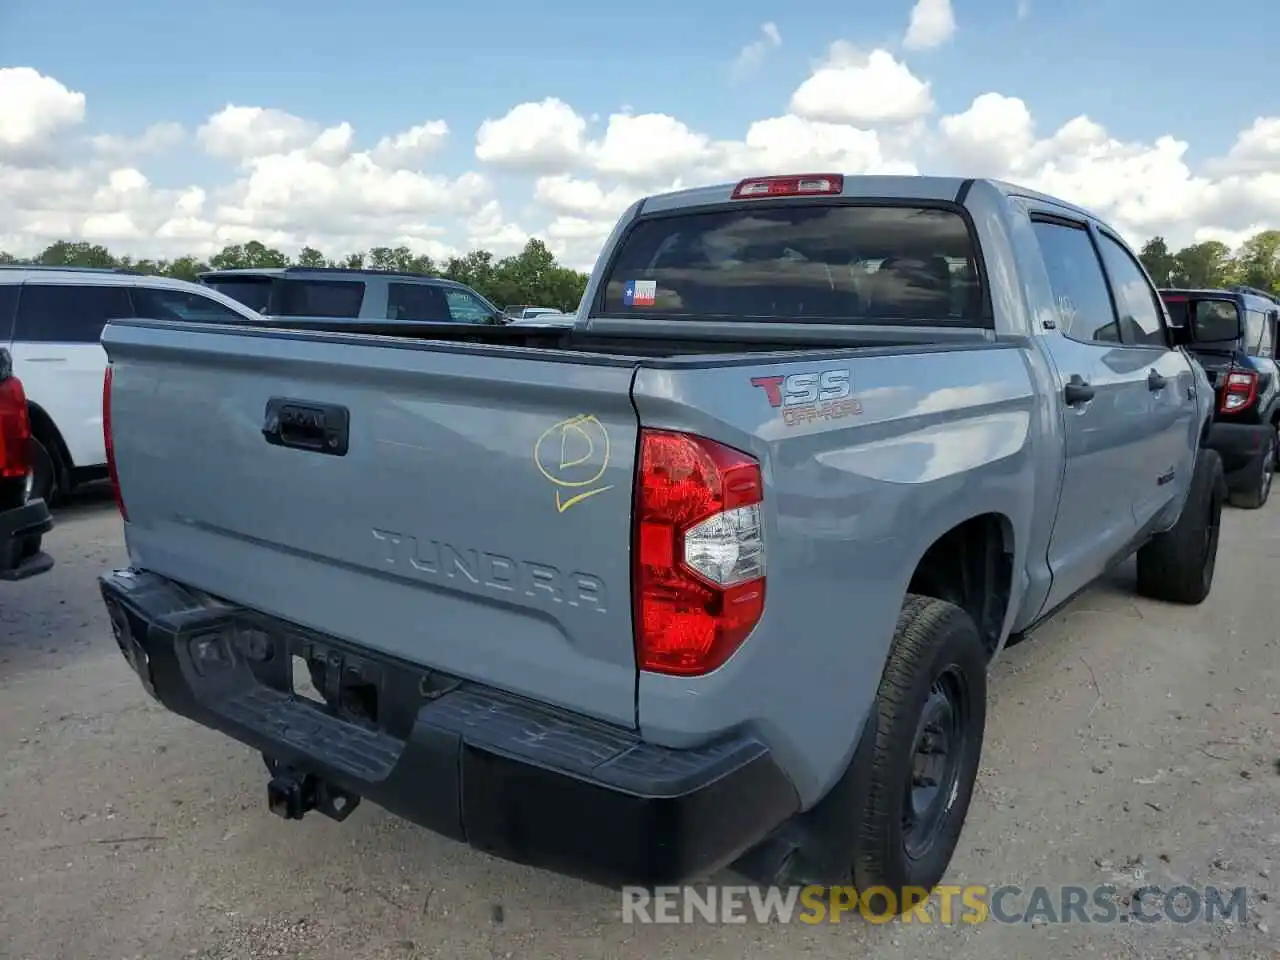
point(1178, 565)
point(1259, 490)
point(917, 762)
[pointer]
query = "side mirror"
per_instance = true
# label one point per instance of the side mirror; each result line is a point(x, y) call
point(1215, 321)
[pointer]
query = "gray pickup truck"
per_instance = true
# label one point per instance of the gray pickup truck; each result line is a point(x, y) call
point(712, 577)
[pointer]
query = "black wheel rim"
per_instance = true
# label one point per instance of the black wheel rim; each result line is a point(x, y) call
point(937, 758)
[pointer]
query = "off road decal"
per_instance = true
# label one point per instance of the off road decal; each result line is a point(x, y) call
point(809, 397)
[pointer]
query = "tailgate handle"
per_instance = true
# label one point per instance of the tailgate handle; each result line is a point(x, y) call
point(307, 425)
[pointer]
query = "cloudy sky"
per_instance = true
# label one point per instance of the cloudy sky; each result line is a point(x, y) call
point(160, 128)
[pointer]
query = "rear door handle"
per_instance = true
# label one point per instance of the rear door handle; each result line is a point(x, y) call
point(1077, 392)
point(307, 425)
point(1155, 381)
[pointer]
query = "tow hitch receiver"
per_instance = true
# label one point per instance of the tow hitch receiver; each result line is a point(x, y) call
point(290, 794)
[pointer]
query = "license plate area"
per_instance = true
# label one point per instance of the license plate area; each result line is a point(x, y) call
point(346, 684)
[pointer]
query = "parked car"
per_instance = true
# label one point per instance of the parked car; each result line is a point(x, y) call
point(711, 578)
point(556, 320)
point(1234, 336)
point(343, 294)
point(23, 521)
point(51, 320)
point(521, 311)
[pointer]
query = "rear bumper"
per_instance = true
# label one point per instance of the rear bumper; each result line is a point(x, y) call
point(1239, 445)
point(516, 779)
point(22, 530)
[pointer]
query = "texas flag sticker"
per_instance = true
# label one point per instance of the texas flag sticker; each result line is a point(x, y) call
point(640, 293)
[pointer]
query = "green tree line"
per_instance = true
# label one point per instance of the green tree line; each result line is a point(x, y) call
point(531, 276)
point(1212, 264)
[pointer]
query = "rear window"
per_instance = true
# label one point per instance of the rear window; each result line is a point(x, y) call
point(808, 262)
point(318, 298)
point(294, 298)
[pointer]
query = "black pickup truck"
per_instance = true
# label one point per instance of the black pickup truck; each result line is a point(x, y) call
point(1233, 334)
point(23, 522)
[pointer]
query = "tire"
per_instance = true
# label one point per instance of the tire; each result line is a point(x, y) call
point(934, 687)
point(44, 473)
point(1177, 566)
point(1259, 490)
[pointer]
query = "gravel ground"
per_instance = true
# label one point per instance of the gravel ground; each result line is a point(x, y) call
point(1129, 743)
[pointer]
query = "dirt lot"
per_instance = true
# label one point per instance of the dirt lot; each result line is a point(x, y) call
point(1130, 743)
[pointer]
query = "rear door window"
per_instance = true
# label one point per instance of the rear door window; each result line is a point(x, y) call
point(416, 301)
point(814, 262)
point(67, 313)
point(160, 304)
point(1079, 286)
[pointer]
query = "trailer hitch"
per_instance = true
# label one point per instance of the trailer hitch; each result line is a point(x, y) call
point(292, 793)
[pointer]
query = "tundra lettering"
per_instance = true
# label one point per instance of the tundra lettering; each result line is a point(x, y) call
point(493, 571)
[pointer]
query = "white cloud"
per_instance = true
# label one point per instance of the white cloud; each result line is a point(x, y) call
point(550, 172)
point(857, 89)
point(1256, 150)
point(157, 138)
point(563, 194)
point(932, 24)
point(545, 135)
point(34, 110)
point(239, 133)
point(413, 145)
point(647, 147)
point(488, 229)
point(753, 54)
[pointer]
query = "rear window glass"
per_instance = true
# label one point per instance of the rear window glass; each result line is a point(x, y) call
point(252, 293)
point(318, 298)
point(805, 262)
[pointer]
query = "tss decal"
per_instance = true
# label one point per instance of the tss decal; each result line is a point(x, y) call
point(806, 397)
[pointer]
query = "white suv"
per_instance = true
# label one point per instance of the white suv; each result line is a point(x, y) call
point(51, 320)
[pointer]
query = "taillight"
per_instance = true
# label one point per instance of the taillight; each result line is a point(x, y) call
point(15, 430)
point(1239, 390)
point(106, 438)
point(801, 185)
point(699, 572)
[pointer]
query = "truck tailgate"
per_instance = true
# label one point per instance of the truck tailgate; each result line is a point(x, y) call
point(478, 520)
